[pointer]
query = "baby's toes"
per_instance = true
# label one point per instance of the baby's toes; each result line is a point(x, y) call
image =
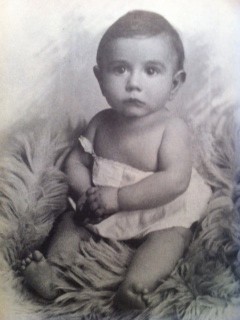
point(28, 260)
point(143, 292)
point(23, 265)
point(30, 256)
point(37, 256)
point(146, 299)
point(25, 262)
point(138, 288)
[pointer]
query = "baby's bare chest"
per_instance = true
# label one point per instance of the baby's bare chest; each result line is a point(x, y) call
point(139, 150)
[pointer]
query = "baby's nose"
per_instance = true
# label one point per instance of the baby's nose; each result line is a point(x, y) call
point(133, 81)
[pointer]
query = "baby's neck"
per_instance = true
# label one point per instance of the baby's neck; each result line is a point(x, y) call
point(135, 123)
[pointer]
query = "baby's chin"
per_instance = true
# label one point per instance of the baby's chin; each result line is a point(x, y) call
point(141, 115)
point(132, 112)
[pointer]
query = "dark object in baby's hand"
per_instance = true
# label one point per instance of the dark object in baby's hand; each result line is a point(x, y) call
point(85, 215)
point(82, 214)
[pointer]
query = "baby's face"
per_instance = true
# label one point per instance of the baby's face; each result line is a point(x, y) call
point(137, 75)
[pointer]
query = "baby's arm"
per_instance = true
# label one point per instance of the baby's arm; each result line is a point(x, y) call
point(78, 173)
point(174, 159)
point(78, 165)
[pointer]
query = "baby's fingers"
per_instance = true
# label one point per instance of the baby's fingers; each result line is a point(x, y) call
point(94, 206)
point(100, 212)
point(92, 195)
point(92, 191)
point(96, 220)
point(92, 198)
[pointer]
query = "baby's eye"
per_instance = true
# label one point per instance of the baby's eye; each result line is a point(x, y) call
point(119, 69)
point(152, 71)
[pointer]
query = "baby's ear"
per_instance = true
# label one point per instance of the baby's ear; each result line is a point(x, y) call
point(96, 71)
point(98, 75)
point(178, 79)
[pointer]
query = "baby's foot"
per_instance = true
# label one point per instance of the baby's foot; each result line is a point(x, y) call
point(39, 275)
point(132, 297)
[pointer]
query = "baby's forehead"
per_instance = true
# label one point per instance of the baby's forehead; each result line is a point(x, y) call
point(159, 39)
point(141, 43)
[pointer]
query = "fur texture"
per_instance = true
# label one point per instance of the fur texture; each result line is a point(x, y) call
point(33, 190)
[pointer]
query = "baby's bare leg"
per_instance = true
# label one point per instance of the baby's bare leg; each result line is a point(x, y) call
point(152, 262)
point(41, 274)
point(65, 242)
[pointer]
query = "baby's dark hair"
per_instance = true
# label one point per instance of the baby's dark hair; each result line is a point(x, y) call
point(141, 23)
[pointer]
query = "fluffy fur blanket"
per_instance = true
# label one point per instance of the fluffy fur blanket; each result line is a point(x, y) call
point(33, 193)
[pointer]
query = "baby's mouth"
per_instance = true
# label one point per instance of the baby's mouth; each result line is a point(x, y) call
point(133, 101)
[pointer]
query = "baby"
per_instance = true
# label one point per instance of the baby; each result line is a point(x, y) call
point(133, 166)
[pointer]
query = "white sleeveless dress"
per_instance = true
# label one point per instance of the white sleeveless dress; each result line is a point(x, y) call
point(123, 225)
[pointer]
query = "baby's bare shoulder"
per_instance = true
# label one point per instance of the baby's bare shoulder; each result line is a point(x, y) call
point(176, 135)
point(99, 120)
point(175, 150)
point(177, 126)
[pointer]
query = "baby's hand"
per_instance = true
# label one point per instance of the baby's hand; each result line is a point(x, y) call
point(103, 200)
point(84, 213)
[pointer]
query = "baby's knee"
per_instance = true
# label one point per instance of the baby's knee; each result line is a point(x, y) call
point(176, 236)
point(183, 234)
point(180, 238)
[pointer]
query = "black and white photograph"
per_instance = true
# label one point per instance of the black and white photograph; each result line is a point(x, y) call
point(119, 160)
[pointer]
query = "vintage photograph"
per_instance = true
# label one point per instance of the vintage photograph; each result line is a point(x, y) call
point(119, 160)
